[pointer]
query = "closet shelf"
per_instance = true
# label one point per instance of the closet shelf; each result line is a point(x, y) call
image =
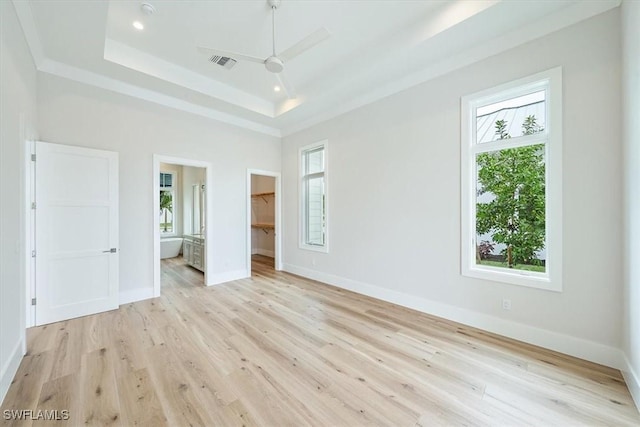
point(267, 226)
point(263, 196)
point(264, 227)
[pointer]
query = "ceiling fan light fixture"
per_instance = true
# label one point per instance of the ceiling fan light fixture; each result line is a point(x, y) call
point(274, 64)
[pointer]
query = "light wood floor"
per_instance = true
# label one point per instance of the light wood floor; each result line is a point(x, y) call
point(278, 350)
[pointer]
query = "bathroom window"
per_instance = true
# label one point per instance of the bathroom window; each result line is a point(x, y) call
point(167, 203)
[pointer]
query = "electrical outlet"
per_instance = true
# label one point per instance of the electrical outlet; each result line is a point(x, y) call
point(506, 304)
point(313, 261)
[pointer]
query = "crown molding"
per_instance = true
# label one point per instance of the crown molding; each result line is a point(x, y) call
point(554, 22)
point(47, 65)
point(326, 108)
point(97, 80)
point(129, 57)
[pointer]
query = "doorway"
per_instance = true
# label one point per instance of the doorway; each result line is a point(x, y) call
point(182, 212)
point(263, 218)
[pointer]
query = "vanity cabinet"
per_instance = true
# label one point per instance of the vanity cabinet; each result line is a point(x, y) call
point(193, 251)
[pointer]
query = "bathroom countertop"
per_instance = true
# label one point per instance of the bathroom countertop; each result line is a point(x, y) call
point(194, 236)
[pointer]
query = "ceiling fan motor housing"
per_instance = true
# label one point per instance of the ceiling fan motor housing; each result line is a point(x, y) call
point(274, 64)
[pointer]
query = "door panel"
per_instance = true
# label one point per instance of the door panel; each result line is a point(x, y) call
point(76, 227)
point(93, 285)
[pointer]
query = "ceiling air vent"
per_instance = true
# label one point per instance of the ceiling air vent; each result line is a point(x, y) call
point(223, 61)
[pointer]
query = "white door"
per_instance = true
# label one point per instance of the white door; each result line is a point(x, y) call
point(76, 232)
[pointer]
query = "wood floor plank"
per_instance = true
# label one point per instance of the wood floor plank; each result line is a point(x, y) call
point(100, 403)
point(58, 395)
point(178, 395)
point(281, 350)
point(24, 392)
point(138, 400)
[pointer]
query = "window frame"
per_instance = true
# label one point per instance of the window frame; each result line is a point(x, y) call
point(551, 82)
point(173, 189)
point(302, 196)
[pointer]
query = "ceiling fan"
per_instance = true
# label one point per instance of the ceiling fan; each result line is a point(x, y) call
point(275, 63)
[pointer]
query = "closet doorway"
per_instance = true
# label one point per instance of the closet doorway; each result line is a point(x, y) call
point(263, 218)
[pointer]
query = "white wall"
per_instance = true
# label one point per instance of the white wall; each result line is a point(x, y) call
point(631, 136)
point(76, 114)
point(394, 218)
point(17, 123)
point(263, 211)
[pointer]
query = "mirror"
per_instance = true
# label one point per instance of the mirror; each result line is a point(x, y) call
point(197, 211)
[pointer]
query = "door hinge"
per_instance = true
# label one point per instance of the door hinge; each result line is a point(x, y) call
point(33, 301)
point(33, 205)
point(33, 157)
point(33, 254)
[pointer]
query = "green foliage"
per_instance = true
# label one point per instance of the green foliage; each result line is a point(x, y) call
point(501, 129)
point(166, 201)
point(526, 267)
point(166, 205)
point(515, 177)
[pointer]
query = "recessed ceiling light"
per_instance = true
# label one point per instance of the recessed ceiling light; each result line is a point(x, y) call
point(276, 88)
point(138, 25)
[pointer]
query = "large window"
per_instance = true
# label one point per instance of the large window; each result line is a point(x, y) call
point(512, 182)
point(167, 203)
point(313, 209)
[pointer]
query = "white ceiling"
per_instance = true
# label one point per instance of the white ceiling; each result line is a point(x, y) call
point(376, 48)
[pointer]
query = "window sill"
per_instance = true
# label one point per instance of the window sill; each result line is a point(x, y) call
point(323, 249)
point(514, 277)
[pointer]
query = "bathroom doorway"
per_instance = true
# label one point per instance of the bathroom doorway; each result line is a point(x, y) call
point(181, 215)
point(263, 219)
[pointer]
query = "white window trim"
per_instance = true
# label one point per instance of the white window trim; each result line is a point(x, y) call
point(302, 200)
point(552, 279)
point(174, 191)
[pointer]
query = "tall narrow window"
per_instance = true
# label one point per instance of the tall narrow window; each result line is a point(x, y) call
point(313, 212)
point(167, 203)
point(512, 181)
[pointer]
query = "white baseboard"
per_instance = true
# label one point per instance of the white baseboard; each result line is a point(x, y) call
point(266, 252)
point(134, 295)
point(633, 381)
point(577, 347)
point(228, 276)
point(10, 368)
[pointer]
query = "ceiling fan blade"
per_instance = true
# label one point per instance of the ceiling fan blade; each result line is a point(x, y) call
point(234, 55)
point(305, 44)
point(286, 85)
